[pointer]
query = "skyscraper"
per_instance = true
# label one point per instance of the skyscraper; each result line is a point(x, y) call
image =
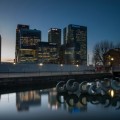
point(54, 36)
point(75, 41)
point(26, 44)
point(0, 48)
point(48, 53)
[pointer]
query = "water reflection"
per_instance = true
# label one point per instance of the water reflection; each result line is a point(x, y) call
point(52, 101)
point(80, 103)
point(69, 102)
point(24, 100)
point(47, 103)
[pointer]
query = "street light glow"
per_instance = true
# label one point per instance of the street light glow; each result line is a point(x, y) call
point(77, 65)
point(41, 64)
point(61, 65)
point(112, 59)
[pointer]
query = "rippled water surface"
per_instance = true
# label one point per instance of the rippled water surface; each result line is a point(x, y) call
point(48, 104)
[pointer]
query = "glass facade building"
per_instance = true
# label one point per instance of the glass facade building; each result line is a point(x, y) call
point(75, 41)
point(54, 36)
point(47, 52)
point(26, 44)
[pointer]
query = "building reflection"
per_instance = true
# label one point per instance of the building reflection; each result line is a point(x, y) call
point(80, 103)
point(53, 102)
point(73, 102)
point(24, 100)
point(78, 106)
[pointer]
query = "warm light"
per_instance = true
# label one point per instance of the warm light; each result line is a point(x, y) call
point(77, 65)
point(14, 63)
point(41, 64)
point(112, 93)
point(112, 59)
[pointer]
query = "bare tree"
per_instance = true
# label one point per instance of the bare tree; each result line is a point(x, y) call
point(99, 50)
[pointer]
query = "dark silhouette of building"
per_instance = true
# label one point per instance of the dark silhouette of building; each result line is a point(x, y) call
point(75, 41)
point(26, 44)
point(112, 58)
point(54, 36)
point(0, 48)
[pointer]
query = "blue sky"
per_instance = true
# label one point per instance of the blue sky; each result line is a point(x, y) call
point(102, 18)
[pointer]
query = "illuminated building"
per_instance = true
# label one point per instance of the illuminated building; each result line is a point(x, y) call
point(75, 41)
point(0, 48)
point(61, 54)
point(112, 58)
point(26, 44)
point(54, 36)
point(47, 52)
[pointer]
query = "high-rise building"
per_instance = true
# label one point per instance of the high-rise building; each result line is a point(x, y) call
point(26, 44)
point(47, 52)
point(0, 48)
point(54, 36)
point(75, 41)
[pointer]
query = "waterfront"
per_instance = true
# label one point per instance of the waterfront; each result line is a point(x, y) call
point(44, 104)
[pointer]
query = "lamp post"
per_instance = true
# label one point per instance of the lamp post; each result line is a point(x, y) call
point(61, 65)
point(41, 64)
point(112, 59)
point(77, 67)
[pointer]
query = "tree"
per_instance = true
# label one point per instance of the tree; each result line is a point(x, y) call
point(99, 50)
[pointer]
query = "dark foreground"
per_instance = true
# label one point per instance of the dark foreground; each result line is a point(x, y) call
point(13, 83)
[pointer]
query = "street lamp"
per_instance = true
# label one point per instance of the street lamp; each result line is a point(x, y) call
point(61, 65)
point(41, 64)
point(112, 59)
point(77, 67)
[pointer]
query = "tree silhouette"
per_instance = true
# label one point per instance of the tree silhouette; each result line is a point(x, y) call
point(99, 50)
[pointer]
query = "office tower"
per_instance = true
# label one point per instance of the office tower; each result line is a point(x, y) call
point(0, 48)
point(75, 41)
point(47, 53)
point(54, 36)
point(26, 44)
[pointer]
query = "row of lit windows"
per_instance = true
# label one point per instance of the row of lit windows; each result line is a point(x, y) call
point(47, 49)
point(29, 41)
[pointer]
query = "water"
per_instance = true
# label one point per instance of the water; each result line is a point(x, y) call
point(47, 104)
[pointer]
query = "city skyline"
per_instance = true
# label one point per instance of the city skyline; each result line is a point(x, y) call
point(100, 16)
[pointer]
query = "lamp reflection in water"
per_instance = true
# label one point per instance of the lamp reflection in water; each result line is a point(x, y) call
point(111, 93)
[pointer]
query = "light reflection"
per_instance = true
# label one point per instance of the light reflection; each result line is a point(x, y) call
point(67, 102)
point(112, 93)
point(26, 99)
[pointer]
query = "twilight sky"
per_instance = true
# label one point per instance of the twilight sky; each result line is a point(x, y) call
point(102, 18)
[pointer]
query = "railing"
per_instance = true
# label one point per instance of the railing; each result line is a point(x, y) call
point(43, 73)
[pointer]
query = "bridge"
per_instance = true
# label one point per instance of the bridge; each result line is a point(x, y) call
point(20, 75)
